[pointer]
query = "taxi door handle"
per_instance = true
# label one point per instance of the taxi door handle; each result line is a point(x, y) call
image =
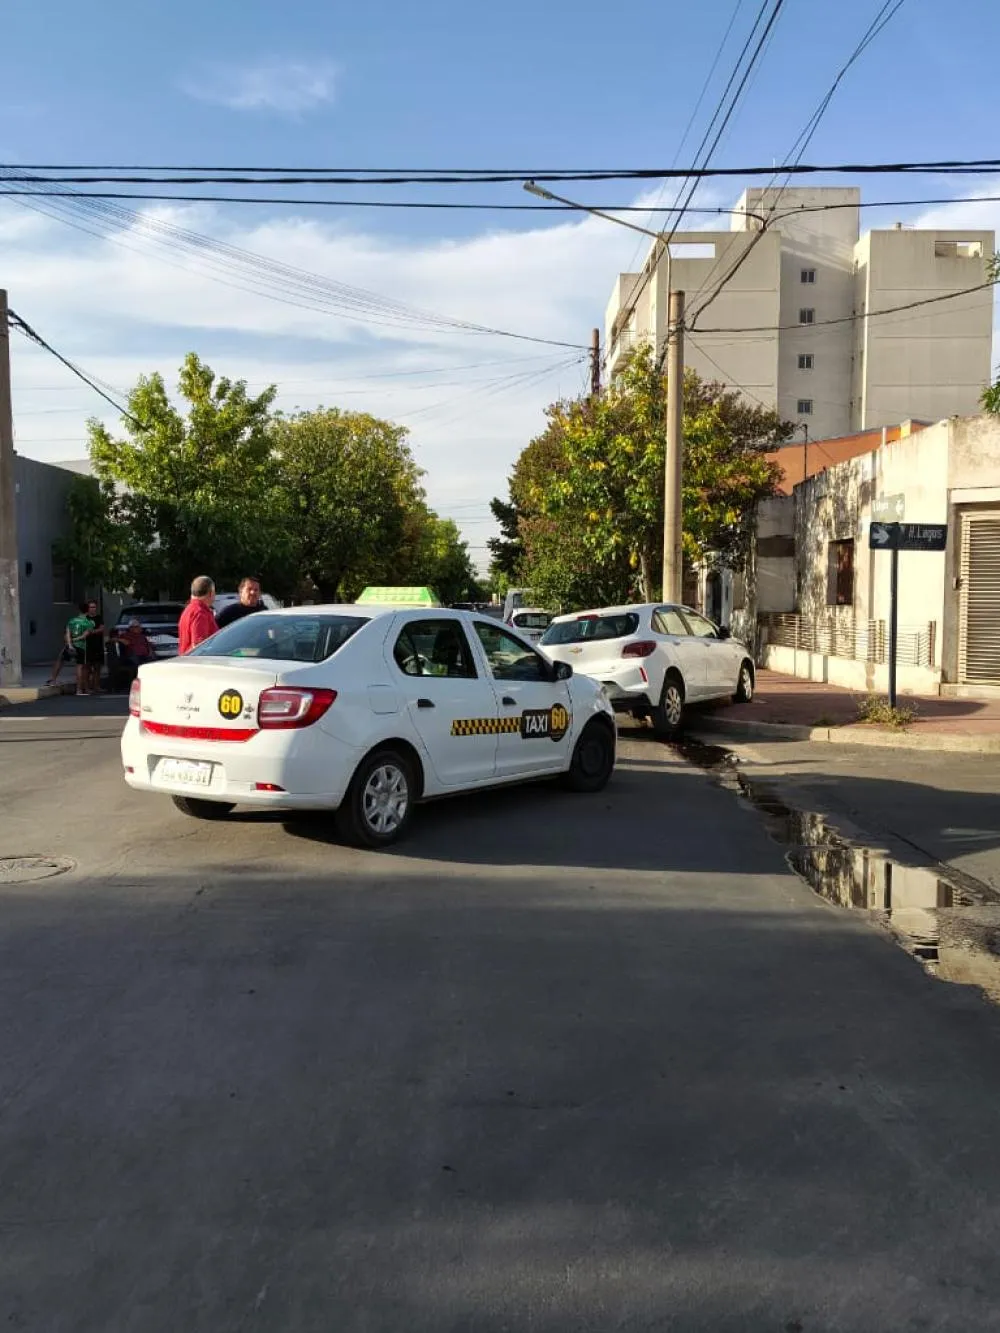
point(425, 703)
point(508, 702)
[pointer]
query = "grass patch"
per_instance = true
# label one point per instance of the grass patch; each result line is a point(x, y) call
point(873, 708)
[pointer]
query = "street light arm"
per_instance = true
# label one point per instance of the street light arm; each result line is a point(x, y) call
point(541, 193)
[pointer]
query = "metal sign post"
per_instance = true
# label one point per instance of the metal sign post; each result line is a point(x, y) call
point(896, 537)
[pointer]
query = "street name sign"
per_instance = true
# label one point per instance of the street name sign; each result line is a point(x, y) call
point(908, 536)
point(889, 508)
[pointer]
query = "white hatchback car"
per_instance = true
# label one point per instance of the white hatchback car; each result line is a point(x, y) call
point(364, 710)
point(653, 659)
point(531, 622)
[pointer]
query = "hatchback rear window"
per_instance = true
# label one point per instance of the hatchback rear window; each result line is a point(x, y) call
point(586, 629)
point(525, 620)
point(282, 638)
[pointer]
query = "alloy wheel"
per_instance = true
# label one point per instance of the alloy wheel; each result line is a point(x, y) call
point(385, 799)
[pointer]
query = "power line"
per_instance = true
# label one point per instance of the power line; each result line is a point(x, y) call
point(24, 327)
point(887, 11)
point(930, 167)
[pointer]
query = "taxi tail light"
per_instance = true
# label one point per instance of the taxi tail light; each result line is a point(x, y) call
point(133, 698)
point(283, 708)
point(641, 648)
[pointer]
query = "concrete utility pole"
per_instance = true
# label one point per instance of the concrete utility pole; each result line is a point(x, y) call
point(673, 495)
point(595, 363)
point(10, 610)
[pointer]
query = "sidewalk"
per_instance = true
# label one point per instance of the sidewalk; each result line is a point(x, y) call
point(33, 686)
point(786, 707)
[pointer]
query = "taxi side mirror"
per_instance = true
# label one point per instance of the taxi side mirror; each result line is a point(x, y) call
point(562, 671)
point(724, 633)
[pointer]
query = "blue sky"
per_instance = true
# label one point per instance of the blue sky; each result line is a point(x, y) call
point(543, 84)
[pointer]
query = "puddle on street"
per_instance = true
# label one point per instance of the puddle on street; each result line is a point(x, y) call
point(947, 920)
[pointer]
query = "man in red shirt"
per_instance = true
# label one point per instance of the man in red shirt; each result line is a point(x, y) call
point(197, 622)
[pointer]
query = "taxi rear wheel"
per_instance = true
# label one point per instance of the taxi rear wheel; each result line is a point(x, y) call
point(190, 805)
point(379, 802)
point(593, 759)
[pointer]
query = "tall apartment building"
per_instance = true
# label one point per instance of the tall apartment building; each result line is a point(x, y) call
point(797, 325)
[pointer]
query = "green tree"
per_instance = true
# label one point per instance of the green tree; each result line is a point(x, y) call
point(593, 532)
point(101, 545)
point(441, 561)
point(199, 489)
point(353, 497)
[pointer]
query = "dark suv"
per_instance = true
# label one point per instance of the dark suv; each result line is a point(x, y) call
point(159, 620)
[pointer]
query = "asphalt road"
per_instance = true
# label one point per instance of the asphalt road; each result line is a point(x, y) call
point(557, 1063)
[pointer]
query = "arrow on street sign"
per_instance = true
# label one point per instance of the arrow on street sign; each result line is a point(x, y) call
point(882, 534)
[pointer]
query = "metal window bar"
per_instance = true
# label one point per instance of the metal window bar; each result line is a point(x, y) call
point(864, 641)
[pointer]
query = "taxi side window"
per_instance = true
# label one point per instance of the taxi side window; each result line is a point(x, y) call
point(668, 621)
point(434, 648)
point(508, 657)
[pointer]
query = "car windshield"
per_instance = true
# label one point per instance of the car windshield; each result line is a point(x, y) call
point(585, 629)
point(281, 638)
point(159, 613)
point(529, 620)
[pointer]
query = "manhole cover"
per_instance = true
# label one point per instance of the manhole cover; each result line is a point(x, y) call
point(23, 869)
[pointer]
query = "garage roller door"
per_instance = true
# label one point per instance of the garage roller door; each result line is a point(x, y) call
point(979, 627)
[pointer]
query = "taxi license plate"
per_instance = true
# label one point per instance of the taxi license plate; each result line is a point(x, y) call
point(187, 772)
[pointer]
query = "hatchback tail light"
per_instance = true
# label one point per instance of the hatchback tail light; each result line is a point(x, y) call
point(284, 708)
point(133, 698)
point(641, 648)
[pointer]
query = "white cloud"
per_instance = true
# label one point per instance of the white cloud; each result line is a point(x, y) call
point(471, 401)
point(288, 86)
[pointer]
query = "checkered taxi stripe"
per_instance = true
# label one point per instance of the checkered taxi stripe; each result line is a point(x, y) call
point(484, 726)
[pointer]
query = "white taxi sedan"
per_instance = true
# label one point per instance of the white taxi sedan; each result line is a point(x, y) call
point(363, 710)
point(653, 660)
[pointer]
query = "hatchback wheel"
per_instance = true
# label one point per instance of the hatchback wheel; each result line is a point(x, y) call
point(744, 685)
point(593, 759)
point(190, 805)
point(668, 715)
point(379, 802)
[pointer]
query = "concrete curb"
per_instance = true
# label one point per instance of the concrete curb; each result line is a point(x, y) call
point(953, 742)
point(11, 697)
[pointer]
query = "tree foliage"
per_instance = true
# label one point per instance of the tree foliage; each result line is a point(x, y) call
point(318, 504)
point(589, 491)
point(199, 491)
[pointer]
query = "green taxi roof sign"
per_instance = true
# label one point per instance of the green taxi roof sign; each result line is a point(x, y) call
point(398, 597)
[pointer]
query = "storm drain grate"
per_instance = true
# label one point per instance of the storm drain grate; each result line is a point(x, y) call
point(24, 869)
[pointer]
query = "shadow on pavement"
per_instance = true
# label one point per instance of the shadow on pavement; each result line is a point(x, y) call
point(357, 1101)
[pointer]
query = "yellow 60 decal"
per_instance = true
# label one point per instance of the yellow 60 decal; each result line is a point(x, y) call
point(230, 703)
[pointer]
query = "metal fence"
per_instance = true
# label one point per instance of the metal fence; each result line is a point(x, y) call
point(863, 641)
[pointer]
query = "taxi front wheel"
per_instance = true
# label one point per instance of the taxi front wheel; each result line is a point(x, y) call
point(593, 759)
point(379, 801)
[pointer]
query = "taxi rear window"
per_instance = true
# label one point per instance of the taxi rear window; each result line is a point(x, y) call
point(587, 629)
point(282, 638)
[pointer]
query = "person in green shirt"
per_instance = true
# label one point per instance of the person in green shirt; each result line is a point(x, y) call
point(77, 630)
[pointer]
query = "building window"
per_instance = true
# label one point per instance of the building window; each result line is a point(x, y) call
point(807, 316)
point(958, 249)
point(805, 361)
point(840, 573)
point(808, 275)
point(805, 407)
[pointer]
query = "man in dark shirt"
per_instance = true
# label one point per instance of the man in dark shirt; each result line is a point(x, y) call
point(249, 603)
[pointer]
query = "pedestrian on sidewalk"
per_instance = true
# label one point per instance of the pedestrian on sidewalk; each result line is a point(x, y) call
point(67, 653)
point(77, 629)
point(249, 603)
point(197, 623)
point(94, 648)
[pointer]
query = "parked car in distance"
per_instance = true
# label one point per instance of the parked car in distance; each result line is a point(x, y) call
point(531, 621)
point(159, 620)
point(653, 660)
point(224, 599)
